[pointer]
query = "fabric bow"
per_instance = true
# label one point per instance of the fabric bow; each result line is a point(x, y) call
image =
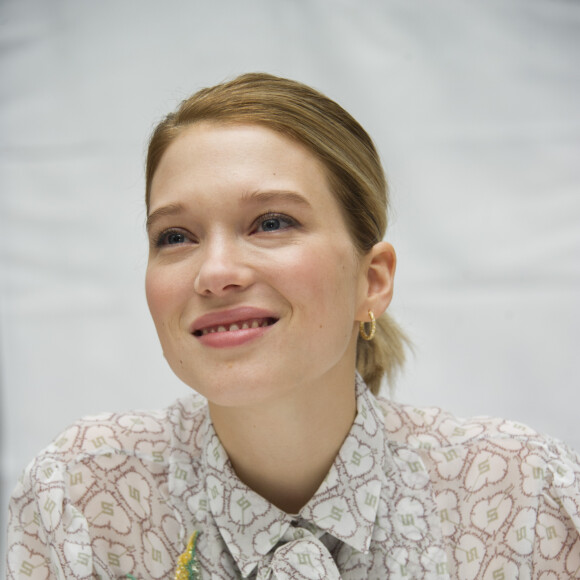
point(303, 558)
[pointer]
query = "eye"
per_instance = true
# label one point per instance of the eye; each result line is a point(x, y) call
point(172, 237)
point(272, 222)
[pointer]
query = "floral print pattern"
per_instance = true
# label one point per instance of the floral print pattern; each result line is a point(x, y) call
point(413, 493)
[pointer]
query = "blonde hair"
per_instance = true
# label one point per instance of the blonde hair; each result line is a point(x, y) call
point(354, 170)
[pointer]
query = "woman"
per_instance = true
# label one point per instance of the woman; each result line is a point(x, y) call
point(268, 281)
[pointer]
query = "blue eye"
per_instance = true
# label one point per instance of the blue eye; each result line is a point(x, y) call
point(274, 222)
point(171, 238)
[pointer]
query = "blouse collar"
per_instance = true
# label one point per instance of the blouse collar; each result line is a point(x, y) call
point(345, 505)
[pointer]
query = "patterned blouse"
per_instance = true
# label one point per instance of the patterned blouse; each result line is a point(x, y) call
point(413, 493)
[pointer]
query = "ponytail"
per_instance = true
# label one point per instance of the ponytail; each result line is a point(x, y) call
point(383, 355)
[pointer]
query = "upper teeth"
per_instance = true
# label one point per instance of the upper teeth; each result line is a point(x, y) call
point(236, 326)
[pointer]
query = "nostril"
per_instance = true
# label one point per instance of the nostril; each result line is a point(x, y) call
point(217, 276)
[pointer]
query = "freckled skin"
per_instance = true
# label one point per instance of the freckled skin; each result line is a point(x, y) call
point(307, 274)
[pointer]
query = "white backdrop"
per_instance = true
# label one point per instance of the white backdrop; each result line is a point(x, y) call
point(473, 105)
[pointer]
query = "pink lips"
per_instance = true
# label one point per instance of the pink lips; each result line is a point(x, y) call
point(232, 327)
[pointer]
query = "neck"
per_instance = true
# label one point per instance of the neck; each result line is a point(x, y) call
point(283, 449)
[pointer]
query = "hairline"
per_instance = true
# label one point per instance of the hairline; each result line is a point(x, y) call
point(333, 181)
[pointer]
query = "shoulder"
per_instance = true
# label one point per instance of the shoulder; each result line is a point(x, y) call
point(434, 428)
point(132, 432)
point(501, 490)
point(105, 473)
point(481, 448)
point(144, 440)
point(486, 455)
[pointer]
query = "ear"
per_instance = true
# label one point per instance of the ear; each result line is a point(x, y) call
point(378, 273)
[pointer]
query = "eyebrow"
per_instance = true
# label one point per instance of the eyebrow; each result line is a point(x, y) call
point(274, 195)
point(169, 209)
point(251, 197)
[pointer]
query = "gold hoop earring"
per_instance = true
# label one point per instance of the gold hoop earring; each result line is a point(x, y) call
point(362, 330)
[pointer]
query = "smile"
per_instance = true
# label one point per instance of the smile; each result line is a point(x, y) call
point(238, 325)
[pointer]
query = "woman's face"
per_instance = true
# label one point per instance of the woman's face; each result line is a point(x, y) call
point(253, 281)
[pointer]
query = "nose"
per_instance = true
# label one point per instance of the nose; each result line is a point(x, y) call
point(222, 268)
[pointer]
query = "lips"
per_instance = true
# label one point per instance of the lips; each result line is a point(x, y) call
point(237, 319)
point(239, 325)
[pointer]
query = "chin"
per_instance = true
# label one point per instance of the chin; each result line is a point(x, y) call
point(234, 389)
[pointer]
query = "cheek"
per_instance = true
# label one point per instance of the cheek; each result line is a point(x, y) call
point(300, 274)
point(323, 281)
point(161, 292)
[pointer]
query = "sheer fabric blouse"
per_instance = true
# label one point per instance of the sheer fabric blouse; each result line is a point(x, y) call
point(413, 493)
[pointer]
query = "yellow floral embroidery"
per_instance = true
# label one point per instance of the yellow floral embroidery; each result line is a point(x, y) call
point(187, 564)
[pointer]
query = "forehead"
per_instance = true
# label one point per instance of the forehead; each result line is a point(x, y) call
point(226, 157)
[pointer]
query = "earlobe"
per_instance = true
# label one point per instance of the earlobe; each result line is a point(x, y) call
point(380, 265)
